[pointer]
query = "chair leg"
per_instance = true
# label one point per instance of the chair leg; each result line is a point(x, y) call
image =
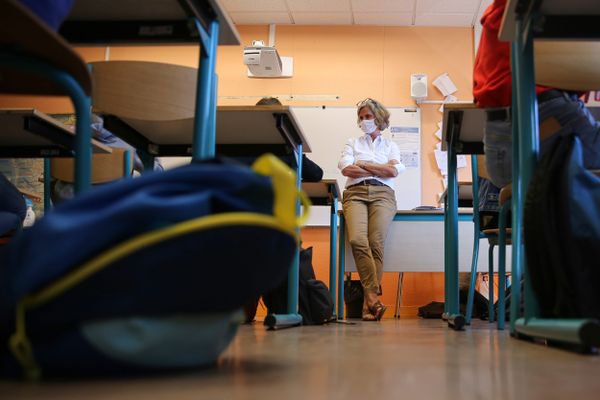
point(502, 266)
point(399, 294)
point(471, 296)
point(491, 283)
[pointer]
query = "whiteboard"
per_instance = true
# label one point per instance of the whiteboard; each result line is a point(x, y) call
point(327, 129)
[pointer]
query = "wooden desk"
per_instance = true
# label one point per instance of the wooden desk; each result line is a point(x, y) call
point(553, 19)
point(29, 133)
point(327, 192)
point(467, 122)
point(134, 21)
point(415, 243)
point(163, 22)
point(268, 127)
point(35, 60)
point(566, 57)
point(462, 134)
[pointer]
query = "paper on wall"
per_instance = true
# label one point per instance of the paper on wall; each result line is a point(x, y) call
point(444, 84)
point(438, 146)
point(441, 159)
point(408, 139)
point(438, 133)
point(450, 99)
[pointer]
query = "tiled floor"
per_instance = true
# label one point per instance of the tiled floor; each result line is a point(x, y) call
point(406, 359)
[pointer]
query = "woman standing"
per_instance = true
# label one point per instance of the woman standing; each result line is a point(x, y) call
point(370, 162)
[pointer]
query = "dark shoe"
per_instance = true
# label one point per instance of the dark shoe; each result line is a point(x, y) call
point(378, 309)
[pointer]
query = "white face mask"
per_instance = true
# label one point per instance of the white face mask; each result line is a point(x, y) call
point(368, 126)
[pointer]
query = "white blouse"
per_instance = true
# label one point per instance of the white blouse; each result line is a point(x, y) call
point(380, 151)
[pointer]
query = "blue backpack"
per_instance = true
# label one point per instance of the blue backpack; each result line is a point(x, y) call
point(148, 273)
point(562, 233)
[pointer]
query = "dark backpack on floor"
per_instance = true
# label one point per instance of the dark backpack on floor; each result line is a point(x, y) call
point(435, 309)
point(562, 233)
point(314, 300)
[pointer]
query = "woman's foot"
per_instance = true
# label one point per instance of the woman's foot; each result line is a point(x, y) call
point(377, 310)
point(368, 317)
point(366, 312)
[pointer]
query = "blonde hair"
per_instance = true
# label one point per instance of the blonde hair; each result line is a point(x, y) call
point(382, 115)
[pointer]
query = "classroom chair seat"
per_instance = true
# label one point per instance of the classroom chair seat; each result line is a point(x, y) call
point(144, 91)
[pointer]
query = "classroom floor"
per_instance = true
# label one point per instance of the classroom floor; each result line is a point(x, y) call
point(394, 359)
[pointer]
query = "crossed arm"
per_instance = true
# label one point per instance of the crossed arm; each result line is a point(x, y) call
point(362, 169)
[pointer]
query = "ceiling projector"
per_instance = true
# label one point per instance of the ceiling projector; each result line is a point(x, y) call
point(264, 62)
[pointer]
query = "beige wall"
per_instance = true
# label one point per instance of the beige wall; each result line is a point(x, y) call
point(357, 62)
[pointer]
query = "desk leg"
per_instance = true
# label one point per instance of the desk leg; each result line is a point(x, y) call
point(205, 91)
point(292, 318)
point(332, 252)
point(342, 267)
point(455, 320)
point(210, 138)
point(446, 246)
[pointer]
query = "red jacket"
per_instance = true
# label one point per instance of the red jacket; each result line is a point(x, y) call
point(492, 79)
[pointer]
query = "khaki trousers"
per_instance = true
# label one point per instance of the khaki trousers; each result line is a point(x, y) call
point(368, 211)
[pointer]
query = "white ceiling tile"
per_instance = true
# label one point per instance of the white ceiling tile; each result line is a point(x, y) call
point(444, 20)
point(386, 6)
point(385, 19)
point(254, 5)
point(447, 6)
point(314, 6)
point(302, 18)
point(259, 18)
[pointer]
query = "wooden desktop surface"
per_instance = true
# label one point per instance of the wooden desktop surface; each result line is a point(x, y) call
point(110, 11)
point(14, 134)
point(320, 190)
point(235, 125)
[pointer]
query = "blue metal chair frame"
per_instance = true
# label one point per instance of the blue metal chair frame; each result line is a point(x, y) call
point(477, 236)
